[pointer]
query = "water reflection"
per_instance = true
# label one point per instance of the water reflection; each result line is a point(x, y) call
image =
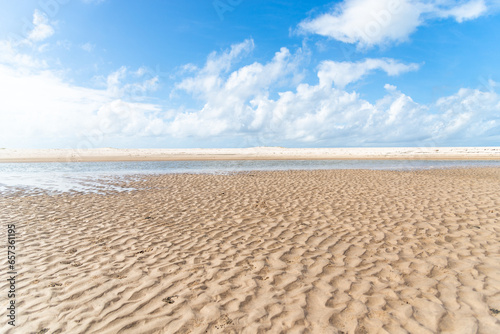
point(103, 176)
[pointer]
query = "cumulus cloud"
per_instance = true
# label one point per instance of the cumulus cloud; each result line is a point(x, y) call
point(367, 23)
point(118, 86)
point(227, 94)
point(42, 29)
point(343, 73)
point(315, 114)
point(129, 119)
point(470, 112)
point(240, 106)
point(208, 78)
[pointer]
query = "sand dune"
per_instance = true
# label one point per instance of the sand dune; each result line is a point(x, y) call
point(264, 252)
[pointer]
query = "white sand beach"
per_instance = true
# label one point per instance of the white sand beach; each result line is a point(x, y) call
point(111, 154)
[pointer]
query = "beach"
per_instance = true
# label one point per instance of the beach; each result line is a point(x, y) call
point(338, 251)
point(251, 153)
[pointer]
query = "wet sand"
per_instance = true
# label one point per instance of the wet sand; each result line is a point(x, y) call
point(340, 251)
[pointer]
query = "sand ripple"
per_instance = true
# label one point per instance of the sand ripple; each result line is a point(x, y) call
point(264, 252)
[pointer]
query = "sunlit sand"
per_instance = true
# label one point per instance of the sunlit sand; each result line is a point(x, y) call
point(341, 251)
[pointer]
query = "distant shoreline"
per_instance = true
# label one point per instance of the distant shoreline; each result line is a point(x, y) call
point(256, 153)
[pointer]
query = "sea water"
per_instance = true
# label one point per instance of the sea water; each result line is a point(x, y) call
point(97, 177)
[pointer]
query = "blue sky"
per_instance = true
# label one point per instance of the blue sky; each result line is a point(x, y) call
point(240, 73)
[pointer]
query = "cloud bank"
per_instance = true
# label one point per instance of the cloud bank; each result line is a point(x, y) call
point(258, 104)
point(326, 114)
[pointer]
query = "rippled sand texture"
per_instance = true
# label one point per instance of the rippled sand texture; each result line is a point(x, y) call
point(267, 252)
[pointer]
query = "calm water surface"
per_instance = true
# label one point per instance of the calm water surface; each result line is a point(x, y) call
point(96, 176)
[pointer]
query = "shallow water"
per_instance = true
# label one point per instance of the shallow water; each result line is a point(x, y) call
point(96, 176)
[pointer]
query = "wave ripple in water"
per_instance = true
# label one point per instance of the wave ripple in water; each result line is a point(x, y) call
point(101, 177)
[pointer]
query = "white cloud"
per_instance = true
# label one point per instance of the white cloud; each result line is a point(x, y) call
point(10, 55)
point(240, 106)
point(334, 117)
point(343, 73)
point(42, 29)
point(368, 23)
point(465, 11)
point(40, 105)
point(141, 71)
point(39, 108)
point(89, 47)
point(208, 78)
point(116, 85)
point(390, 88)
point(470, 112)
point(227, 95)
point(129, 119)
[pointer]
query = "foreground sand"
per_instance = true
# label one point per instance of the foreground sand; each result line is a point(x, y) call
point(269, 252)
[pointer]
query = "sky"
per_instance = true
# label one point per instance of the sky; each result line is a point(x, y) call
point(239, 73)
